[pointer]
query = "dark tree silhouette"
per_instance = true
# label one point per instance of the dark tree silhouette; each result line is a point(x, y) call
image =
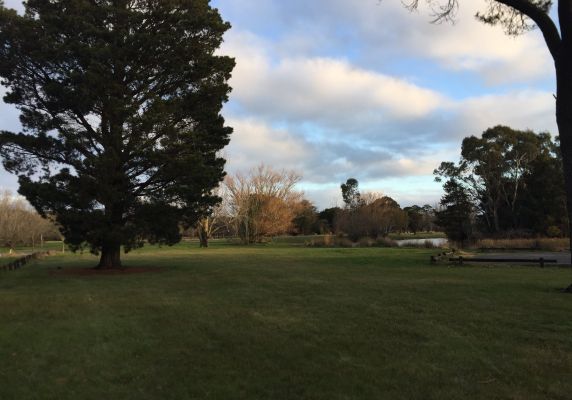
point(351, 194)
point(516, 17)
point(120, 102)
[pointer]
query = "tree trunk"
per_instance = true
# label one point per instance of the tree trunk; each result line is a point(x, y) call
point(110, 257)
point(564, 121)
point(203, 231)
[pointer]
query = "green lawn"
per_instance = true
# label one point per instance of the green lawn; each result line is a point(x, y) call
point(279, 322)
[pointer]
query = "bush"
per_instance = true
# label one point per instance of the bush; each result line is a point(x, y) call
point(553, 231)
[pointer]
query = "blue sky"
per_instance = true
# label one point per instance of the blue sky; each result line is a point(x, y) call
point(362, 88)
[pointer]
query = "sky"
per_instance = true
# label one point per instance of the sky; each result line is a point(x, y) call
point(335, 89)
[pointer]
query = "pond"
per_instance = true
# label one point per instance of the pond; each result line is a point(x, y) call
point(437, 242)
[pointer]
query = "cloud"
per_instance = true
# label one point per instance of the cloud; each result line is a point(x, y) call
point(376, 34)
point(254, 142)
point(366, 89)
point(317, 87)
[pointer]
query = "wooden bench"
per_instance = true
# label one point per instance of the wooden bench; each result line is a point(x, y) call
point(540, 260)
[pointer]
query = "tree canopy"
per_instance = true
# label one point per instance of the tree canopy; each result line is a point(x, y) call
point(120, 105)
point(513, 180)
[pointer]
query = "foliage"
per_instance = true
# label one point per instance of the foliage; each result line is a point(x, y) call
point(120, 103)
point(512, 178)
point(327, 219)
point(20, 225)
point(456, 217)
point(351, 194)
point(420, 218)
point(305, 219)
point(375, 219)
point(262, 202)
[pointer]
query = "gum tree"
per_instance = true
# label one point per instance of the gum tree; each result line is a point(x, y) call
point(517, 17)
point(120, 107)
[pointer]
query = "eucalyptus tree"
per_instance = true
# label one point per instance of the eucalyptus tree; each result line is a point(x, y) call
point(520, 16)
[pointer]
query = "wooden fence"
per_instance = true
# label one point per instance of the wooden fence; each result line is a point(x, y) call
point(20, 262)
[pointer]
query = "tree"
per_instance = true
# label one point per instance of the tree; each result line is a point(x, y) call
point(211, 222)
point(543, 205)
point(515, 17)
point(327, 218)
point(456, 216)
point(492, 170)
point(351, 194)
point(120, 103)
point(21, 225)
point(377, 216)
point(414, 218)
point(262, 202)
point(305, 219)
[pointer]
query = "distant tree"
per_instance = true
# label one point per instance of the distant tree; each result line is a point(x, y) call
point(456, 216)
point(327, 217)
point(428, 223)
point(120, 103)
point(21, 225)
point(305, 220)
point(210, 223)
point(414, 218)
point(492, 169)
point(377, 218)
point(351, 194)
point(262, 202)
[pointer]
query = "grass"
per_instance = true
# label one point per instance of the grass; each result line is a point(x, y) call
point(279, 322)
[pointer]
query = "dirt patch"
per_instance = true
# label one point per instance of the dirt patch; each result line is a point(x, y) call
point(104, 272)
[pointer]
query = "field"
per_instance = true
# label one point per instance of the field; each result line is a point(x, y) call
point(284, 322)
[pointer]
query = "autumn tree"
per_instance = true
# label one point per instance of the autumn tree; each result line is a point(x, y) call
point(517, 17)
point(376, 216)
point(120, 105)
point(262, 202)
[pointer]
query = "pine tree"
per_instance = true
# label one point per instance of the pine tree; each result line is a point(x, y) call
point(120, 105)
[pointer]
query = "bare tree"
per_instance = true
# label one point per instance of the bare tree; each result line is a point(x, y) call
point(519, 16)
point(261, 202)
point(20, 224)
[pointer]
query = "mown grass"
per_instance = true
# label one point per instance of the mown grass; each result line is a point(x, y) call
point(276, 322)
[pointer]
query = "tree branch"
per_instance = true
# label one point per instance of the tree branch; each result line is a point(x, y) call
point(542, 20)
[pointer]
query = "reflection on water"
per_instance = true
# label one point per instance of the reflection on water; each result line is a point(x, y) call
point(438, 242)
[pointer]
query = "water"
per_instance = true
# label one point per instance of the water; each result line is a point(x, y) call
point(437, 242)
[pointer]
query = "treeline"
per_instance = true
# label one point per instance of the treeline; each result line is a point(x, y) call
point(265, 202)
point(507, 183)
point(20, 224)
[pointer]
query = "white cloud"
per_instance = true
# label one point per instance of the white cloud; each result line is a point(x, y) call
point(253, 142)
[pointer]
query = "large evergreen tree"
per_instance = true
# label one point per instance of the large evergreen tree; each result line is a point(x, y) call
point(120, 105)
